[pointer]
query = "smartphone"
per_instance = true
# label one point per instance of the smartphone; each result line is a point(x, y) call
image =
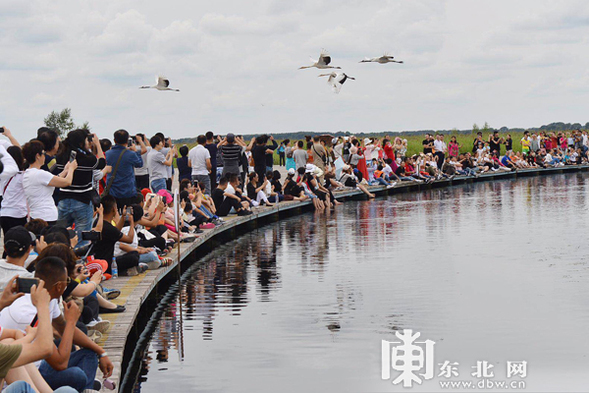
point(1, 130)
point(72, 233)
point(130, 211)
point(24, 285)
point(91, 235)
point(130, 142)
point(73, 155)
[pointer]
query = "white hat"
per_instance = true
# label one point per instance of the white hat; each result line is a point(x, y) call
point(346, 138)
point(346, 167)
point(334, 141)
point(317, 171)
point(367, 141)
point(309, 168)
point(291, 171)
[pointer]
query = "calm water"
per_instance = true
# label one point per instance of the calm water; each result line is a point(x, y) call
point(490, 272)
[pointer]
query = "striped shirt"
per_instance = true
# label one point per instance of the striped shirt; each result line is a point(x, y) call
point(82, 186)
point(231, 155)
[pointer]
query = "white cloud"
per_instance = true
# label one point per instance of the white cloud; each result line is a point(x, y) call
point(465, 62)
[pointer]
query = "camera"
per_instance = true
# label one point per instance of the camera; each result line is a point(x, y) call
point(24, 285)
point(130, 142)
point(91, 235)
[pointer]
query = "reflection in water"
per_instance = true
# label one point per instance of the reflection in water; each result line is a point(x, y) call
point(487, 270)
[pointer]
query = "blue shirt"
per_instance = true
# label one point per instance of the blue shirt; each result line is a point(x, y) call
point(123, 185)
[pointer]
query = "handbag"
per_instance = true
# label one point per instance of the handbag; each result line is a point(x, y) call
point(94, 198)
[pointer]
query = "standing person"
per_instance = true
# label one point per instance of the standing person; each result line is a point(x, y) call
point(231, 149)
point(75, 201)
point(120, 183)
point(508, 143)
point(388, 149)
point(281, 154)
point(453, 147)
point(158, 164)
point(14, 210)
point(199, 159)
point(259, 151)
point(211, 146)
point(39, 184)
point(288, 152)
point(142, 174)
point(440, 150)
point(270, 154)
point(319, 154)
point(51, 140)
point(428, 144)
point(184, 170)
point(526, 143)
point(476, 141)
point(495, 143)
point(300, 156)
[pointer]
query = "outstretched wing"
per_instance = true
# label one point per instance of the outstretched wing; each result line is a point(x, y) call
point(162, 81)
point(324, 58)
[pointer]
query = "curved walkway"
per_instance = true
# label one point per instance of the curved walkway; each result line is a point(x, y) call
point(136, 290)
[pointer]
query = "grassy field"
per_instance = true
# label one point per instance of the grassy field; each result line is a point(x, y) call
point(414, 142)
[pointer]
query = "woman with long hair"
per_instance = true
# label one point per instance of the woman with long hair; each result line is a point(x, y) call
point(39, 185)
point(75, 201)
point(14, 207)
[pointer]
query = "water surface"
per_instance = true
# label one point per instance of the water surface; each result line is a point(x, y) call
point(492, 271)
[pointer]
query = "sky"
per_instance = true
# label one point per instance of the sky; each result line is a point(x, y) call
point(510, 63)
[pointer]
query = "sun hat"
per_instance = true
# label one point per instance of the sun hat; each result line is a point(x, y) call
point(166, 195)
point(309, 168)
point(291, 171)
point(353, 150)
point(367, 141)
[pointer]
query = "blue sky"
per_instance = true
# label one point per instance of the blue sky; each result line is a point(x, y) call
point(509, 63)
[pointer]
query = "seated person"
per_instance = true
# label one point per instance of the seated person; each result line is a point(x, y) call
point(105, 247)
point(226, 201)
point(18, 243)
point(147, 255)
point(64, 367)
point(17, 357)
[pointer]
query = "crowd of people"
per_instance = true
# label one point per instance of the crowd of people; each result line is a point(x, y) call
point(80, 211)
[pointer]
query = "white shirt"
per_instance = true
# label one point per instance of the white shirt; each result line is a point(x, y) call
point(118, 252)
point(144, 170)
point(387, 170)
point(10, 167)
point(21, 313)
point(439, 146)
point(198, 160)
point(230, 190)
point(8, 270)
point(39, 195)
point(13, 203)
